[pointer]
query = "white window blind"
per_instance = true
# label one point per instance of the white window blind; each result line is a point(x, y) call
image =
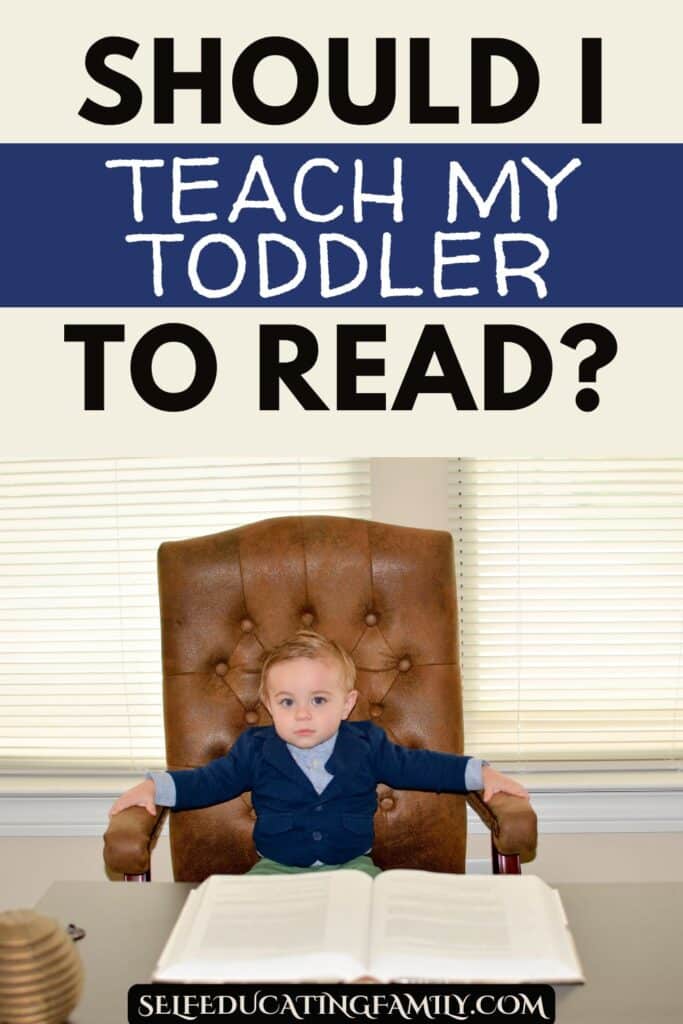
point(80, 665)
point(570, 577)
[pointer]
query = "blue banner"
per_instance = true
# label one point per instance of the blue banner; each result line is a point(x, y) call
point(95, 225)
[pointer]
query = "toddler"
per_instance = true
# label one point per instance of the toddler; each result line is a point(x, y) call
point(313, 774)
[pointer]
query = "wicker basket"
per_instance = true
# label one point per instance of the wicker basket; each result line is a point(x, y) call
point(41, 974)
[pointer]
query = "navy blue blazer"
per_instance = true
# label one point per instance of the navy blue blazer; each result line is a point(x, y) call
point(295, 825)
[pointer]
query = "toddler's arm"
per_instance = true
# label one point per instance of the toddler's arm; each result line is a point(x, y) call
point(141, 795)
point(221, 779)
point(409, 768)
point(495, 782)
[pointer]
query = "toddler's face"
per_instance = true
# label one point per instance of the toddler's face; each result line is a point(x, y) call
point(307, 700)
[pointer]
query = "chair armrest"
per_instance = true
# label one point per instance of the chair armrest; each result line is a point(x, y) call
point(129, 840)
point(511, 821)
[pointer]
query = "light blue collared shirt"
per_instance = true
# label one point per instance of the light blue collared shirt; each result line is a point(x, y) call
point(312, 761)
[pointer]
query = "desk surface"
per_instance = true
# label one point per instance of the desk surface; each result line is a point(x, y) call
point(628, 937)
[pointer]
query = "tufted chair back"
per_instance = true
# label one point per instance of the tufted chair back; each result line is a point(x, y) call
point(386, 593)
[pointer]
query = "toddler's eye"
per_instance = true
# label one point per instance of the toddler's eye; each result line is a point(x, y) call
point(320, 700)
point(285, 702)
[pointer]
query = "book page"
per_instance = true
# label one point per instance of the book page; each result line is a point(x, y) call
point(469, 928)
point(312, 926)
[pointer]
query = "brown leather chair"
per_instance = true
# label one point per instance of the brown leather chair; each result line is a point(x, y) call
point(387, 594)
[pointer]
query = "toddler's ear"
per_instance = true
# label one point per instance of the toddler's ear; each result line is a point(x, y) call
point(350, 703)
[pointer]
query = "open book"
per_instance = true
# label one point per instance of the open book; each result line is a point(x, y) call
point(399, 926)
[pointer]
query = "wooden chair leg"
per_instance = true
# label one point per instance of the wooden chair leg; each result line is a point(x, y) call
point(504, 863)
point(145, 877)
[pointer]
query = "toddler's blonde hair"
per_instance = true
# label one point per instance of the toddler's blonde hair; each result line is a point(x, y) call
point(306, 643)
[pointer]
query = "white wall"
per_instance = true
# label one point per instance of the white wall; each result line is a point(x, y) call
point(28, 866)
point(410, 492)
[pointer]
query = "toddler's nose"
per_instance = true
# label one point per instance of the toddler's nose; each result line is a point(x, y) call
point(303, 712)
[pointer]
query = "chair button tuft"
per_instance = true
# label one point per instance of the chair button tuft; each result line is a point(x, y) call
point(251, 717)
point(221, 668)
point(371, 619)
point(387, 803)
point(246, 625)
point(404, 664)
point(307, 619)
point(376, 710)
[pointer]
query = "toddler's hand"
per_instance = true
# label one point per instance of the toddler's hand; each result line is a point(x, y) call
point(141, 795)
point(496, 782)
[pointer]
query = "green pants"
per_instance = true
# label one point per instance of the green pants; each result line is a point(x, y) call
point(271, 867)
